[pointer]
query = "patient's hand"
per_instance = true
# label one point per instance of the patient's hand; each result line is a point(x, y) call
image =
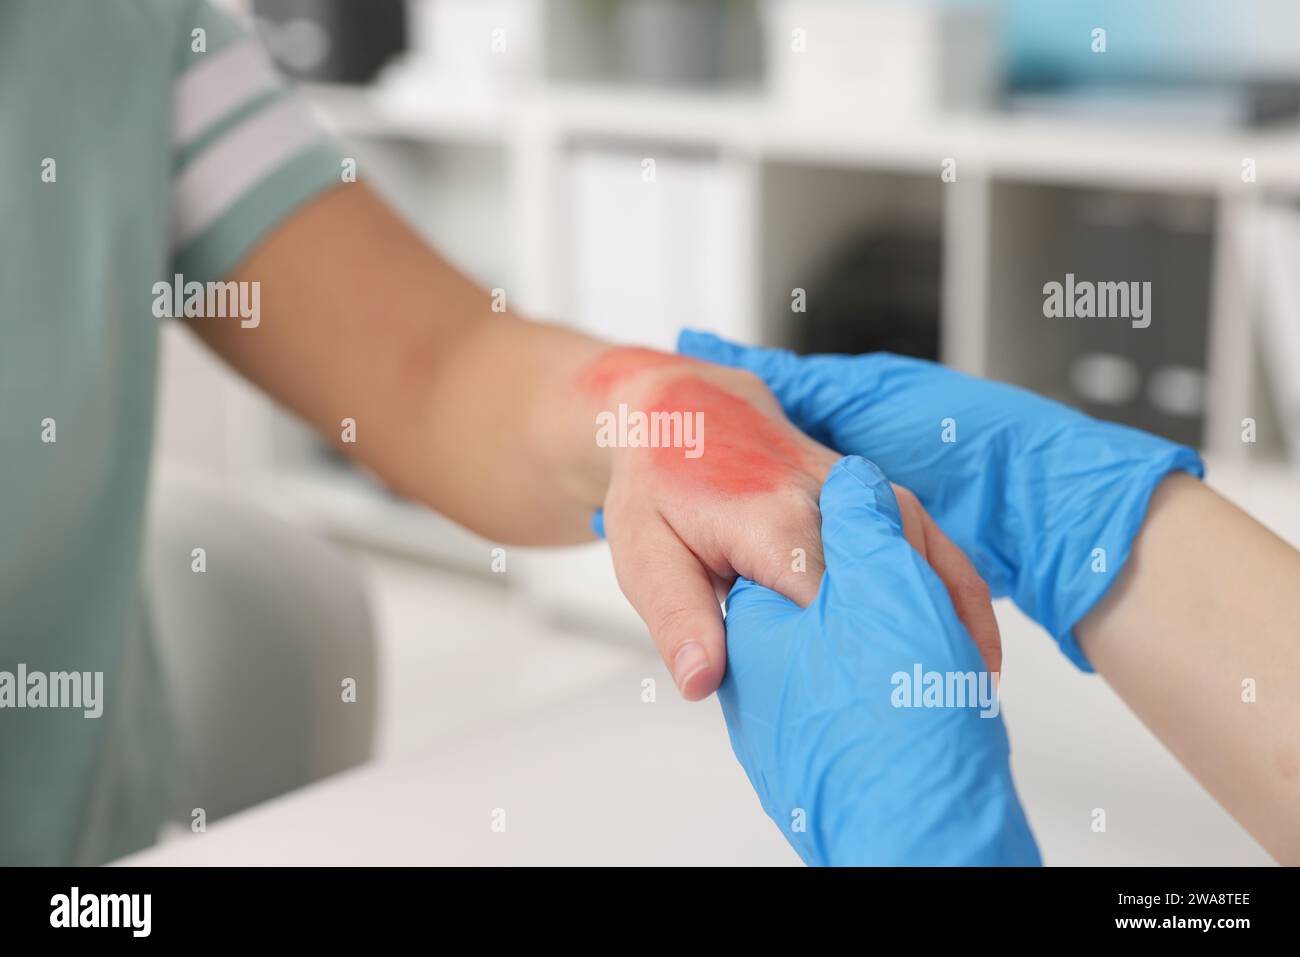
point(709, 481)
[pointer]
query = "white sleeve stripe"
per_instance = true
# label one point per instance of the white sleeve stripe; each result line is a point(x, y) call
point(216, 179)
point(217, 85)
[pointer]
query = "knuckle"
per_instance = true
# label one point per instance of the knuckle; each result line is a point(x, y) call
point(798, 511)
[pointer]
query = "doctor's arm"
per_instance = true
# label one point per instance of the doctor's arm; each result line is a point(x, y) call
point(1201, 638)
point(1194, 618)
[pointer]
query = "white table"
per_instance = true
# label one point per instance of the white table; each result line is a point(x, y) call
point(604, 779)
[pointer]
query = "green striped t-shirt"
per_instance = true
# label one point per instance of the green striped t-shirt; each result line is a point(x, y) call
point(138, 139)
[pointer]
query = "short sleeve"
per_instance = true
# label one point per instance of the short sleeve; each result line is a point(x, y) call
point(247, 149)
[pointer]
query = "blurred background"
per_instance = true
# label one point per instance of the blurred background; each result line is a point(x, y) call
point(828, 175)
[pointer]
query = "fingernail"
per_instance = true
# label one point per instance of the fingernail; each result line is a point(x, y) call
point(689, 661)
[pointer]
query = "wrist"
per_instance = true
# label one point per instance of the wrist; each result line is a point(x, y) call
point(1079, 562)
point(613, 385)
point(584, 389)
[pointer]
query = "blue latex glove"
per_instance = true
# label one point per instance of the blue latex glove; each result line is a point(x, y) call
point(1030, 488)
point(811, 701)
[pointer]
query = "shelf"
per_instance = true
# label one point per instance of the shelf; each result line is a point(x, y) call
point(743, 121)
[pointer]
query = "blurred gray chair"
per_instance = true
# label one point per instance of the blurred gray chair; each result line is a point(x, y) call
point(255, 651)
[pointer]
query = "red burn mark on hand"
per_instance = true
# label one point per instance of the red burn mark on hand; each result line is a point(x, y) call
point(744, 451)
point(611, 367)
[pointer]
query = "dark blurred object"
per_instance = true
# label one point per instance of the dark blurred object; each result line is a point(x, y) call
point(1273, 102)
point(1167, 241)
point(880, 293)
point(332, 41)
point(672, 41)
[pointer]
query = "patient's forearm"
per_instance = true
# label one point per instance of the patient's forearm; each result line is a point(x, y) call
point(513, 439)
point(1201, 638)
point(469, 410)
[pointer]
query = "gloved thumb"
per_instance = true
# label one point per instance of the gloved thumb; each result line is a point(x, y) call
point(860, 516)
point(871, 565)
point(749, 604)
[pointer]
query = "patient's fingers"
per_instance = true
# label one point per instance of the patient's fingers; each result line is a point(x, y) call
point(914, 517)
point(674, 594)
point(968, 591)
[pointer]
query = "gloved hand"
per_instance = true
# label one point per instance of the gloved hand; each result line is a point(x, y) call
point(824, 715)
point(1045, 500)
